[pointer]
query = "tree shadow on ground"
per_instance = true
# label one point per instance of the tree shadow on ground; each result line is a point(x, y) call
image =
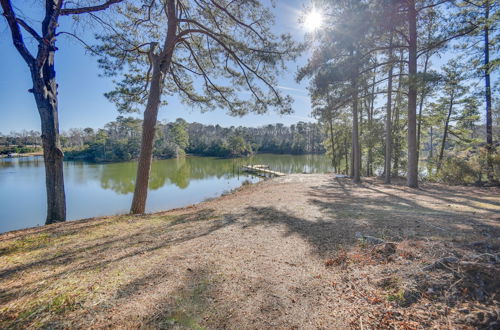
point(371, 209)
point(450, 194)
point(142, 236)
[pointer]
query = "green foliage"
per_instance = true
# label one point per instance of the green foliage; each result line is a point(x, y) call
point(216, 51)
point(120, 140)
point(466, 167)
point(238, 146)
point(18, 149)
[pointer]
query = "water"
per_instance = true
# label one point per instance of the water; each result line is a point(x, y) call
point(106, 189)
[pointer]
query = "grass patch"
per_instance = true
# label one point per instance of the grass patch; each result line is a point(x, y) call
point(35, 311)
point(190, 307)
point(26, 244)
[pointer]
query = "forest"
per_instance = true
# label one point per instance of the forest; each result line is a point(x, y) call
point(385, 86)
point(120, 140)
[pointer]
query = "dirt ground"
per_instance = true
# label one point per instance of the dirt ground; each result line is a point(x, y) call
point(298, 252)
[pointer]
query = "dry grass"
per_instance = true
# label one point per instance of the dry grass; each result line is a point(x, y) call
point(278, 254)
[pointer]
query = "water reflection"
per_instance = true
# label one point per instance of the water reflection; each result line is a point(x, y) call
point(34, 161)
point(120, 177)
point(106, 189)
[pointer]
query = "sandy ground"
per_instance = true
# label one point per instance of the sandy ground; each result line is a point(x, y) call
point(283, 254)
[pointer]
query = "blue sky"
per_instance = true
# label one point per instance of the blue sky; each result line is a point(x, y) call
point(81, 100)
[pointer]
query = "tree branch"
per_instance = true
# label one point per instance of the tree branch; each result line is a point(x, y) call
point(17, 37)
point(89, 9)
point(29, 29)
point(87, 46)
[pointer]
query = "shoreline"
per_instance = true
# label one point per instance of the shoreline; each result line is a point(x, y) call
point(161, 212)
point(282, 253)
point(29, 154)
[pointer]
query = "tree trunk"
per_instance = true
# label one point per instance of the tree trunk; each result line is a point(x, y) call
point(148, 135)
point(160, 65)
point(371, 108)
point(45, 92)
point(412, 171)
point(445, 134)
point(346, 155)
point(396, 138)
point(431, 151)
point(332, 141)
point(420, 108)
point(489, 119)
point(397, 141)
point(356, 161)
point(388, 122)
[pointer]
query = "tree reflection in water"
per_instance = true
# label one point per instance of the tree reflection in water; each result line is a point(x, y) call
point(120, 177)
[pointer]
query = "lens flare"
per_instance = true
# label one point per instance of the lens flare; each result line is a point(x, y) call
point(313, 20)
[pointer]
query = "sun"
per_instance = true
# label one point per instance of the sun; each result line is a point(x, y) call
point(313, 20)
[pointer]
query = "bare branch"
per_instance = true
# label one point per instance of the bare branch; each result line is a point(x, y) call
point(17, 37)
point(89, 9)
point(87, 46)
point(29, 29)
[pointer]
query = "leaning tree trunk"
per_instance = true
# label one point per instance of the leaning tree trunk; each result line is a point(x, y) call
point(412, 171)
point(160, 65)
point(148, 135)
point(45, 92)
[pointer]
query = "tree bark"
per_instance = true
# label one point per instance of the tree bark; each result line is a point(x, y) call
point(431, 151)
point(412, 170)
point(371, 108)
point(346, 155)
point(45, 92)
point(148, 134)
point(356, 161)
point(445, 133)
point(356, 176)
point(396, 138)
point(160, 65)
point(332, 141)
point(420, 108)
point(489, 119)
point(388, 121)
point(46, 99)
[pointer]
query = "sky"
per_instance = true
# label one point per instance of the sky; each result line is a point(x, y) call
point(81, 90)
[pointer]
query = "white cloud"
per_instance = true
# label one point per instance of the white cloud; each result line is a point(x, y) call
point(291, 89)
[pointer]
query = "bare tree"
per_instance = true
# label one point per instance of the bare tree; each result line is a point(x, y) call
point(43, 75)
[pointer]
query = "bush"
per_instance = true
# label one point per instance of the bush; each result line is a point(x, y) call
point(467, 167)
point(18, 150)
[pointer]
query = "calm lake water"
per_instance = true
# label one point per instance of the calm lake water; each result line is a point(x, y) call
point(106, 189)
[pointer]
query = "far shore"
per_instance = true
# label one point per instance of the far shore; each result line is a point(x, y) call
point(28, 154)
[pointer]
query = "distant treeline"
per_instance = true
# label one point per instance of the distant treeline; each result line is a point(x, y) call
point(20, 142)
point(120, 140)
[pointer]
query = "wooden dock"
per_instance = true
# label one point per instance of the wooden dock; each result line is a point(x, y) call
point(262, 170)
